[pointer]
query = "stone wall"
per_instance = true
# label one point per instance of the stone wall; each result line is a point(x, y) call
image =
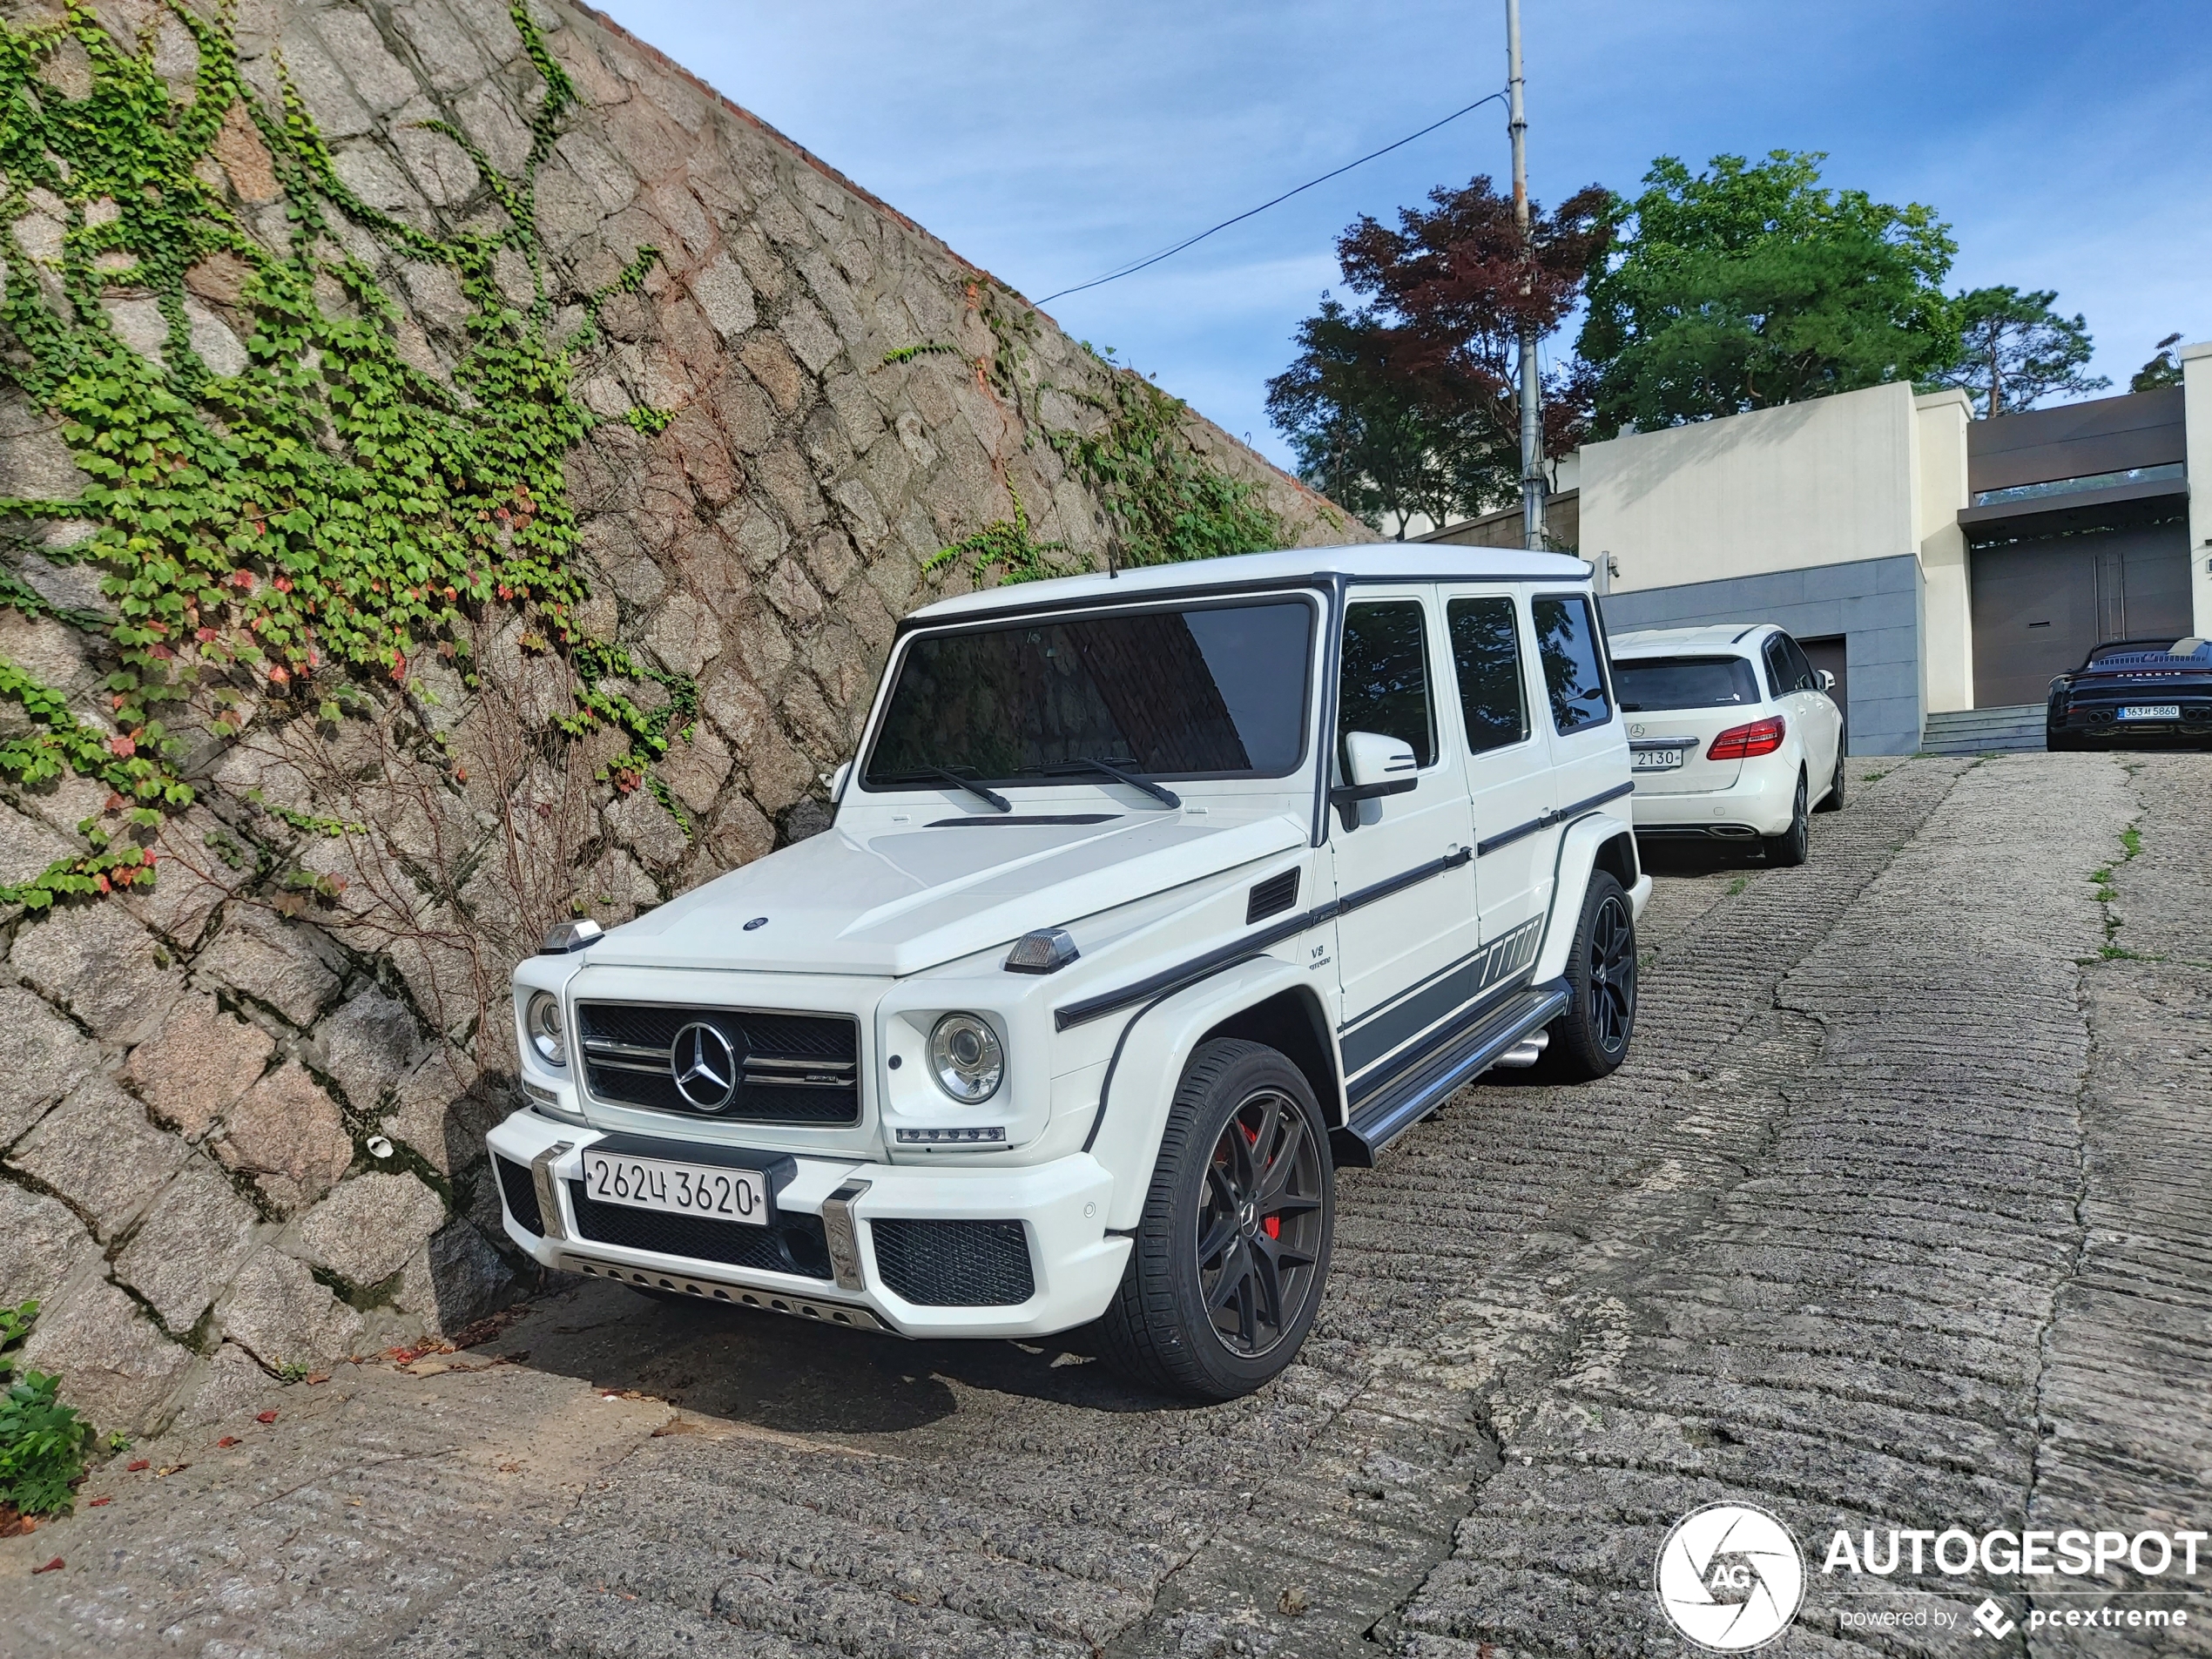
point(242, 1115)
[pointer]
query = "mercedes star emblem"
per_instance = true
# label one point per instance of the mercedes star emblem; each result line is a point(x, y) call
point(704, 1066)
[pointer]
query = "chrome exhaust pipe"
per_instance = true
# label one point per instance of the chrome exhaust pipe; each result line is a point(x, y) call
point(1525, 1052)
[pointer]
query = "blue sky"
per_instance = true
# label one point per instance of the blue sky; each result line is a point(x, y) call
point(2069, 145)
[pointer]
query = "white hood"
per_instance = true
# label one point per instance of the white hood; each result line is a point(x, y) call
point(899, 901)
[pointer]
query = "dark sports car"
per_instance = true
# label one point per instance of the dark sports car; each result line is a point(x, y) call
point(2134, 691)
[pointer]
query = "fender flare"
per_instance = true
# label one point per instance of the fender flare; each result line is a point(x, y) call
point(1582, 845)
point(1140, 1081)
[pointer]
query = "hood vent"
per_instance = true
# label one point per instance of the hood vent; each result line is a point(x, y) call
point(1272, 897)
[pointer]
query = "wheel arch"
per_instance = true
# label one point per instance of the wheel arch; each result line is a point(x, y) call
point(1579, 850)
point(1294, 1024)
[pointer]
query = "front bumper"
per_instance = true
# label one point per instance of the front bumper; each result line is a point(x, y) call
point(1761, 802)
point(1061, 1206)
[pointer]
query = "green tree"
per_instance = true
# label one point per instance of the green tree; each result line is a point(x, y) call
point(2163, 369)
point(2014, 350)
point(1751, 284)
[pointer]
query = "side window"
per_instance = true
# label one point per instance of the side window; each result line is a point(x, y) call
point(1778, 677)
point(1567, 645)
point(1385, 688)
point(1486, 649)
point(1801, 674)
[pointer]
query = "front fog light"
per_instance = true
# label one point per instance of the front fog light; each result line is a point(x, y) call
point(543, 1019)
point(968, 1060)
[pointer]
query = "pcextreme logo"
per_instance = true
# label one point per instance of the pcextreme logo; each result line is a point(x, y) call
point(1730, 1577)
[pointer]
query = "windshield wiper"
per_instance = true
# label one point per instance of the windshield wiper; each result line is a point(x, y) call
point(1165, 797)
point(997, 801)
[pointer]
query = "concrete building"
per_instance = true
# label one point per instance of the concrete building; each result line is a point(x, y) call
point(1935, 563)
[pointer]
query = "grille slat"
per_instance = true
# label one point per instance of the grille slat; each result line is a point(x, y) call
point(800, 1067)
point(794, 1243)
point(954, 1263)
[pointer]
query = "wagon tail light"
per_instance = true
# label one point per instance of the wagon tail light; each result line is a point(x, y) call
point(1747, 741)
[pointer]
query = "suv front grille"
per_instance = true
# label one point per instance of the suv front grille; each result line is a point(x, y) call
point(795, 1244)
point(954, 1263)
point(793, 1068)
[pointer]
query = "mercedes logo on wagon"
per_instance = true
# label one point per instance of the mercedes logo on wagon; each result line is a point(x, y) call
point(1730, 1577)
point(706, 1066)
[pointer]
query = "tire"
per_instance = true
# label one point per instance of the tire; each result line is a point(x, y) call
point(1794, 845)
point(1272, 1254)
point(1833, 801)
point(2059, 743)
point(1591, 1039)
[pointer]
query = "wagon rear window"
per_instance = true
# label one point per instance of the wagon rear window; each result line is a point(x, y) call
point(1216, 691)
point(1649, 682)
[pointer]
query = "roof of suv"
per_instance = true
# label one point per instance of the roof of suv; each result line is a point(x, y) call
point(1737, 638)
point(1429, 562)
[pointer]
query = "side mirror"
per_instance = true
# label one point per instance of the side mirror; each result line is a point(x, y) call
point(836, 780)
point(1378, 767)
point(1827, 679)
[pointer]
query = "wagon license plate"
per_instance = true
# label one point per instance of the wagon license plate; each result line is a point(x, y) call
point(710, 1190)
point(1656, 760)
point(2151, 711)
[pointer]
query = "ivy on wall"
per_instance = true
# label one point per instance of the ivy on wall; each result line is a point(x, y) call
point(327, 510)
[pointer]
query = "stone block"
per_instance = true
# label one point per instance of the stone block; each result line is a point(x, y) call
point(809, 335)
point(287, 1133)
point(376, 74)
point(196, 1236)
point(41, 1055)
point(684, 635)
point(648, 829)
point(191, 880)
point(46, 1247)
point(456, 1279)
point(788, 590)
point(830, 556)
point(448, 56)
point(34, 462)
point(279, 1314)
point(769, 362)
point(102, 965)
point(486, 118)
point(695, 767)
point(114, 1365)
point(726, 297)
point(285, 966)
point(230, 1386)
point(444, 1113)
point(244, 158)
point(368, 1045)
point(368, 1228)
point(200, 1060)
point(98, 1151)
point(738, 833)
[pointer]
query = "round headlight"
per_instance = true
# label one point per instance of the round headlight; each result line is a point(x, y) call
point(966, 1055)
point(547, 1034)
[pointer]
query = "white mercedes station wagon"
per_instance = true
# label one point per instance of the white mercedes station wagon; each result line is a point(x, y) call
point(1734, 733)
point(1149, 901)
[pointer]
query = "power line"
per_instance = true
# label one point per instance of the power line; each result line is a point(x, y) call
point(1131, 270)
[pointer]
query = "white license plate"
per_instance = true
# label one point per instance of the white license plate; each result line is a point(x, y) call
point(708, 1189)
point(1656, 760)
point(2151, 711)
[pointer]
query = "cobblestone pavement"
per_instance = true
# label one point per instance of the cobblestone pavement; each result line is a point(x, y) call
point(1897, 1217)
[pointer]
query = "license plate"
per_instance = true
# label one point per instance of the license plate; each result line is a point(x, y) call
point(707, 1190)
point(2151, 711)
point(1656, 760)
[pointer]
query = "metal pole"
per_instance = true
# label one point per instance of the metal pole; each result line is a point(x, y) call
point(1532, 418)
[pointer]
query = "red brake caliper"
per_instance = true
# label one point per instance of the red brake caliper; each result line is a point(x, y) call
point(1273, 1224)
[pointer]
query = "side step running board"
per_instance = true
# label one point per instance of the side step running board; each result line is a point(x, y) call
point(1407, 1099)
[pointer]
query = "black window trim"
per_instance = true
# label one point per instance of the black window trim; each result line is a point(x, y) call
point(1220, 598)
point(1603, 655)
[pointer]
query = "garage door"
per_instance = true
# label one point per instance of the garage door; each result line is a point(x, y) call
point(2039, 605)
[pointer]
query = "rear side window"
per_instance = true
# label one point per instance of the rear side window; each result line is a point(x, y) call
point(1801, 675)
point(1486, 650)
point(1779, 678)
point(1385, 687)
point(1567, 646)
point(1652, 683)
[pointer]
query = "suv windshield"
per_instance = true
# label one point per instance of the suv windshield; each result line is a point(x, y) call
point(1205, 690)
point(1645, 683)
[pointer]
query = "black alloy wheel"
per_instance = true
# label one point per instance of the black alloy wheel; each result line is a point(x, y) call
point(1591, 1039)
point(1794, 845)
point(1258, 1229)
point(1230, 1254)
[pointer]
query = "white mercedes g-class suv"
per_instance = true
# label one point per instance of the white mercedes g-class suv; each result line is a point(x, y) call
point(1149, 901)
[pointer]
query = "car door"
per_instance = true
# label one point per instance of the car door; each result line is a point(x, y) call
point(1508, 764)
point(1823, 721)
point(1588, 746)
point(1404, 869)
